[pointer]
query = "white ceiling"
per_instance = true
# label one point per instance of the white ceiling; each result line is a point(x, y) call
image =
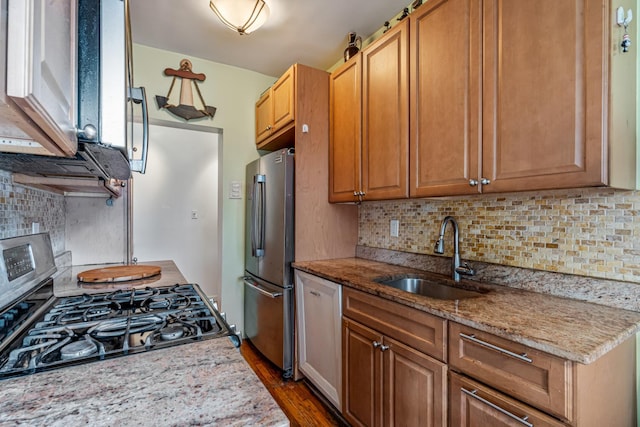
point(310, 32)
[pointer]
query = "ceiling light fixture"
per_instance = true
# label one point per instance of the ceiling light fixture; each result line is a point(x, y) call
point(243, 16)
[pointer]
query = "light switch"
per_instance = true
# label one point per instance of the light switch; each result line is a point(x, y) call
point(235, 190)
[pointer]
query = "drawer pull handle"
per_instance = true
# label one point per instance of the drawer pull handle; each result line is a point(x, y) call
point(522, 420)
point(473, 338)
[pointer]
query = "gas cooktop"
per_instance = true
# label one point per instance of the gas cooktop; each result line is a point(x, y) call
point(40, 332)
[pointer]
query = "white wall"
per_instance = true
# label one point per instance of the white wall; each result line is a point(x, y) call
point(233, 91)
point(175, 203)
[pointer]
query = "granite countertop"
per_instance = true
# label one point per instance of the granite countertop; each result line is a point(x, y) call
point(203, 383)
point(66, 281)
point(572, 329)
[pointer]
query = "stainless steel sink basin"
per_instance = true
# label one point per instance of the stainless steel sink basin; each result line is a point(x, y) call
point(429, 288)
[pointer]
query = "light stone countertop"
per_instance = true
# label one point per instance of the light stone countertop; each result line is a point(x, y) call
point(202, 383)
point(66, 280)
point(572, 329)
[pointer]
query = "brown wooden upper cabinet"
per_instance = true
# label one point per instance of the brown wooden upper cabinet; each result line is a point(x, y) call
point(369, 122)
point(275, 110)
point(514, 96)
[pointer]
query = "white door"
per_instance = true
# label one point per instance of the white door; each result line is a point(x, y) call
point(41, 67)
point(175, 203)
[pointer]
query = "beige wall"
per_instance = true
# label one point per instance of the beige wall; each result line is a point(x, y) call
point(233, 91)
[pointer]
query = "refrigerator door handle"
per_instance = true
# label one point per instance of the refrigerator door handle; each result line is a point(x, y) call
point(253, 217)
point(264, 292)
point(258, 216)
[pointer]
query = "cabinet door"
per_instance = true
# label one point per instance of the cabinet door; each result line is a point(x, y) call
point(41, 67)
point(385, 115)
point(362, 375)
point(445, 97)
point(472, 404)
point(544, 103)
point(264, 114)
point(283, 95)
point(319, 314)
point(345, 131)
point(414, 387)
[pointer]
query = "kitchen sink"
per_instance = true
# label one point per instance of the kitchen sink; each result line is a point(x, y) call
point(429, 288)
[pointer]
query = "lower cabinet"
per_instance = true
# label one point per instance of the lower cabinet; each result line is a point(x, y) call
point(406, 367)
point(319, 312)
point(473, 404)
point(387, 382)
point(522, 386)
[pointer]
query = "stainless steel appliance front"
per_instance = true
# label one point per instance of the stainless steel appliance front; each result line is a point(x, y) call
point(269, 252)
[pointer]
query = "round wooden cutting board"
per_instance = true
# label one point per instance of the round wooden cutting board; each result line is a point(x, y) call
point(119, 273)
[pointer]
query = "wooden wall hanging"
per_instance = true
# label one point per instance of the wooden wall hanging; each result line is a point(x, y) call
point(185, 108)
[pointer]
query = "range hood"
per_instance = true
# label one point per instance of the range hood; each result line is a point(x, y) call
point(95, 168)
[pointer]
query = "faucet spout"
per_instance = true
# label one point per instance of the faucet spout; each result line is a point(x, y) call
point(456, 268)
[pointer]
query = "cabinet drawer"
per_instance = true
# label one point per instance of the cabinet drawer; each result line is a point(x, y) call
point(473, 404)
point(535, 377)
point(415, 328)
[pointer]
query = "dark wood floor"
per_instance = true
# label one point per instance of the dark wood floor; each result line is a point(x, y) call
point(297, 400)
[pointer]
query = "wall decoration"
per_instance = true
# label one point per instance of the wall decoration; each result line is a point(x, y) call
point(185, 108)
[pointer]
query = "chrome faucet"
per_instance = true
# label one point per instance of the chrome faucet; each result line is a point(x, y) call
point(456, 268)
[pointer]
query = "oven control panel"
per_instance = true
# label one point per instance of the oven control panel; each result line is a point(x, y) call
point(18, 261)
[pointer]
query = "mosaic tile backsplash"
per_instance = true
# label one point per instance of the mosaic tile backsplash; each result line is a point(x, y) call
point(21, 206)
point(588, 232)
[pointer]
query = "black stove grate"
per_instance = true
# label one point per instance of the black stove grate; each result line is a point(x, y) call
point(88, 328)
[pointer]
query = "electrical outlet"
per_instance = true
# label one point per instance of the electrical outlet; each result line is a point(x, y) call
point(394, 228)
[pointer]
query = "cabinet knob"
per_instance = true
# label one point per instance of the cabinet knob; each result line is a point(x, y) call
point(269, 127)
point(485, 181)
point(473, 182)
point(379, 345)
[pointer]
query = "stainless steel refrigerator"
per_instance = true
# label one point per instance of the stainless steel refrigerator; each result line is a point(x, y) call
point(268, 282)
